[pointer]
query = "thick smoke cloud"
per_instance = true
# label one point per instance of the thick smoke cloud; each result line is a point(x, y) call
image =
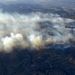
point(34, 30)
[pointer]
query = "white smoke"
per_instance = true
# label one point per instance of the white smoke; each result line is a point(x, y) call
point(34, 30)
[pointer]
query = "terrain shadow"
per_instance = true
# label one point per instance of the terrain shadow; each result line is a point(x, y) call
point(44, 62)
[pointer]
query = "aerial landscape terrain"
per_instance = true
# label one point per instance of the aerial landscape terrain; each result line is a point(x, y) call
point(37, 37)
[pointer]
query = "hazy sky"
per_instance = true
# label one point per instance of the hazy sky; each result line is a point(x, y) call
point(42, 2)
point(37, 1)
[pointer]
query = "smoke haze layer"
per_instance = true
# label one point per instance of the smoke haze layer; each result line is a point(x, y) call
point(34, 30)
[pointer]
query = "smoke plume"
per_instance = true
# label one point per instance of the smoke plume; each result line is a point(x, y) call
point(34, 30)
